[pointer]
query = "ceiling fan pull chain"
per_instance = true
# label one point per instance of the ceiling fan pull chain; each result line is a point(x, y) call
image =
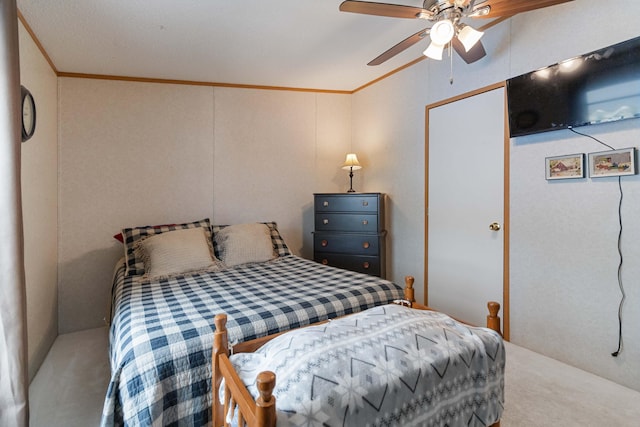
point(451, 66)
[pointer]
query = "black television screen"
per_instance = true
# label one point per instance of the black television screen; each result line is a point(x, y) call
point(597, 87)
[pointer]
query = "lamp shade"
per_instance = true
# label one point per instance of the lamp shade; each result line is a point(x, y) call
point(434, 51)
point(442, 32)
point(469, 36)
point(351, 162)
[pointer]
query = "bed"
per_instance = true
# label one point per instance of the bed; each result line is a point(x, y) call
point(388, 365)
point(162, 326)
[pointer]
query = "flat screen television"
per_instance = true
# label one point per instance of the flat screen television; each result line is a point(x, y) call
point(601, 86)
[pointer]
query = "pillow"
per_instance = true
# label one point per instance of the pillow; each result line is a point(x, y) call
point(279, 246)
point(120, 238)
point(176, 252)
point(245, 243)
point(135, 266)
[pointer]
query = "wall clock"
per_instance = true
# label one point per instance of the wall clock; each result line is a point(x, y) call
point(28, 114)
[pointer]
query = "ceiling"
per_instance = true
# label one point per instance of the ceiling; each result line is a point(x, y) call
point(305, 44)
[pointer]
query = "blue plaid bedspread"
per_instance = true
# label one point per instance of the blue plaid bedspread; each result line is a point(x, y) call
point(162, 332)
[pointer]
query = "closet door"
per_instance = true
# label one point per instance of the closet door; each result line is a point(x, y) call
point(466, 196)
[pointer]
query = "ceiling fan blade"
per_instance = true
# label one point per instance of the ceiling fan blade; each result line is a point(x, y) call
point(512, 7)
point(475, 53)
point(404, 44)
point(384, 9)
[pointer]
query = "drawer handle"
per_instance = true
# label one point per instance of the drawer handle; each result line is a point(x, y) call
point(325, 221)
point(365, 203)
point(324, 243)
point(365, 245)
point(365, 265)
point(365, 222)
point(325, 203)
point(325, 261)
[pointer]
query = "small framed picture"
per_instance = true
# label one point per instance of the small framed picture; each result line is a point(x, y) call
point(565, 167)
point(612, 163)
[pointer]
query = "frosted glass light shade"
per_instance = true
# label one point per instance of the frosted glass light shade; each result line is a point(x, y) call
point(351, 162)
point(434, 51)
point(442, 32)
point(469, 36)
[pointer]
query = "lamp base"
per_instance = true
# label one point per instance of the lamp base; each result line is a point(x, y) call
point(351, 190)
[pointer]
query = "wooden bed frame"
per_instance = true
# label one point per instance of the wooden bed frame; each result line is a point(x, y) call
point(261, 412)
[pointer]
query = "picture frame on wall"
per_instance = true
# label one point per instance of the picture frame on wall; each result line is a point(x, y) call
point(612, 163)
point(568, 166)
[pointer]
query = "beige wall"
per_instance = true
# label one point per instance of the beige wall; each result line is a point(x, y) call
point(273, 150)
point(40, 203)
point(145, 153)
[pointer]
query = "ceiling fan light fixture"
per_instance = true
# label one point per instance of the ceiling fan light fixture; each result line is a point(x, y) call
point(434, 51)
point(469, 36)
point(442, 32)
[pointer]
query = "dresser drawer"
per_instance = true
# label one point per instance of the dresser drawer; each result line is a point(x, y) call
point(346, 203)
point(359, 223)
point(359, 263)
point(347, 243)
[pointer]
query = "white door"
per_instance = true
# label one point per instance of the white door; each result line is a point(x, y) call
point(466, 194)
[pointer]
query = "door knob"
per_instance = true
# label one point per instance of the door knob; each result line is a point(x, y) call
point(494, 226)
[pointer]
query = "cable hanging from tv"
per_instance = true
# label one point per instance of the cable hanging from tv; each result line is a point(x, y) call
point(620, 284)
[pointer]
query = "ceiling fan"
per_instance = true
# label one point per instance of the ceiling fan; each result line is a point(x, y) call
point(447, 28)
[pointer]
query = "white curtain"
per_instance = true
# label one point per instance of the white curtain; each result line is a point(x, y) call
point(14, 383)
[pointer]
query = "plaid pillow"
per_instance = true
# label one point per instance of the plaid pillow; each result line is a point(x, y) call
point(134, 264)
point(279, 246)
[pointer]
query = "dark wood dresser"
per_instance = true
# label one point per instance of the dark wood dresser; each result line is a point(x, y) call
point(349, 231)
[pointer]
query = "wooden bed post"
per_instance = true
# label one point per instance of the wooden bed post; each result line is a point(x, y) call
point(408, 289)
point(220, 346)
point(493, 320)
point(266, 403)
